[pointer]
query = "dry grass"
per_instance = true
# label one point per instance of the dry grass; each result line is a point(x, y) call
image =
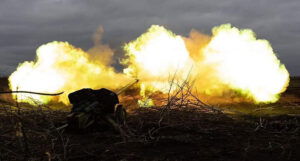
point(183, 134)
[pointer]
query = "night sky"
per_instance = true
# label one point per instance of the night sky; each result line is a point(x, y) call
point(27, 24)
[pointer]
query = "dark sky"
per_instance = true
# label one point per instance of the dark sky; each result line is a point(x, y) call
point(26, 24)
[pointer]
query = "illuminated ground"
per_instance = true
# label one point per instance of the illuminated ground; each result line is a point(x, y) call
point(244, 132)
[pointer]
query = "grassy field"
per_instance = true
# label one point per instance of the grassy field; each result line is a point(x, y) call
point(241, 132)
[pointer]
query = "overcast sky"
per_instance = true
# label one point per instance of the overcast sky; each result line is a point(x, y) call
point(26, 24)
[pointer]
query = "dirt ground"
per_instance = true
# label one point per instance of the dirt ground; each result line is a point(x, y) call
point(242, 132)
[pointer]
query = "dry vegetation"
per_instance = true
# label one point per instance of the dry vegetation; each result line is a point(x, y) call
point(183, 129)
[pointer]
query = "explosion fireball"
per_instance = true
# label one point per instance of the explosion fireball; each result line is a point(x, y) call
point(154, 57)
point(60, 66)
point(231, 61)
point(244, 64)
